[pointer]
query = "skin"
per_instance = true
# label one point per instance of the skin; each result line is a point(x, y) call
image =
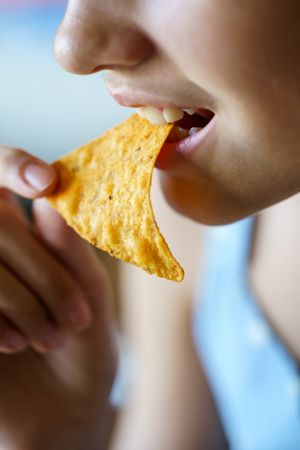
point(56, 372)
point(239, 59)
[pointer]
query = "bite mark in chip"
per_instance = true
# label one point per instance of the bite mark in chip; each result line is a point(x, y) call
point(104, 194)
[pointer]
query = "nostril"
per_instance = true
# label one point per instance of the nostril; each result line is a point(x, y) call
point(106, 67)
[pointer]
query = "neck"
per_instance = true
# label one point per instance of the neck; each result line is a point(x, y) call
point(275, 269)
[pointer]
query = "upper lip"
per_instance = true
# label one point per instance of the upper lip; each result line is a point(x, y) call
point(131, 99)
point(138, 92)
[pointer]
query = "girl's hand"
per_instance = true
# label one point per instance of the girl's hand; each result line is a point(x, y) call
point(52, 286)
point(40, 299)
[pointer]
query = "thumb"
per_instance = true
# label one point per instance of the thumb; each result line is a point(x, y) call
point(76, 255)
point(25, 174)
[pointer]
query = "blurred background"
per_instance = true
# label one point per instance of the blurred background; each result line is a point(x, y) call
point(49, 112)
point(42, 107)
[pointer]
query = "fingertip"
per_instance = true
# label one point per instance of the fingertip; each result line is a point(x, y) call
point(40, 177)
point(79, 316)
point(13, 342)
point(24, 174)
point(50, 337)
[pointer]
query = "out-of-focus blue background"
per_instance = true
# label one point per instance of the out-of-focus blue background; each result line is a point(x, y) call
point(42, 108)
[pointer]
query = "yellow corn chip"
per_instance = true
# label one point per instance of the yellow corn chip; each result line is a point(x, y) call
point(104, 194)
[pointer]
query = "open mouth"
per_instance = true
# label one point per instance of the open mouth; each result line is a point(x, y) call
point(189, 134)
point(187, 122)
point(190, 124)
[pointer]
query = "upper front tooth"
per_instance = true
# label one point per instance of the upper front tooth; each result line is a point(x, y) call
point(141, 112)
point(172, 114)
point(190, 111)
point(154, 115)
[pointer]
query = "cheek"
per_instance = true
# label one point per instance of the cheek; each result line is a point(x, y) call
point(226, 49)
point(191, 35)
point(237, 176)
point(241, 58)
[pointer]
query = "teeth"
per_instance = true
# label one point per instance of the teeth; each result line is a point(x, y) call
point(141, 112)
point(172, 114)
point(194, 130)
point(167, 115)
point(190, 111)
point(154, 115)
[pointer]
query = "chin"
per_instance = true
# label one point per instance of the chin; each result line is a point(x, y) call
point(205, 204)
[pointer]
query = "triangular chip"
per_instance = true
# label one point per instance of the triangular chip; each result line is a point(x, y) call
point(104, 194)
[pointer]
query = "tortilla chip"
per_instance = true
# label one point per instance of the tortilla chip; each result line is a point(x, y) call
point(104, 194)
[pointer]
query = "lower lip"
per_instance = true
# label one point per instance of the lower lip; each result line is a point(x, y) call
point(173, 152)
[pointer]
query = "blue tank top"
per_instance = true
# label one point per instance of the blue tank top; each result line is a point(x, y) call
point(255, 381)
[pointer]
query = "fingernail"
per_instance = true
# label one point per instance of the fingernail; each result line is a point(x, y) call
point(39, 177)
point(14, 340)
point(79, 316)
point(50, 337)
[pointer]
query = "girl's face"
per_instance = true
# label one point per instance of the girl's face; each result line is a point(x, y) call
point(239, 59)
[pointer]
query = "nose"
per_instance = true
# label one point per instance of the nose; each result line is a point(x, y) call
point(100, 35)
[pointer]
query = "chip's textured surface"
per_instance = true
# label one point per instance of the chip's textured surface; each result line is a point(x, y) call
point(104, 194)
